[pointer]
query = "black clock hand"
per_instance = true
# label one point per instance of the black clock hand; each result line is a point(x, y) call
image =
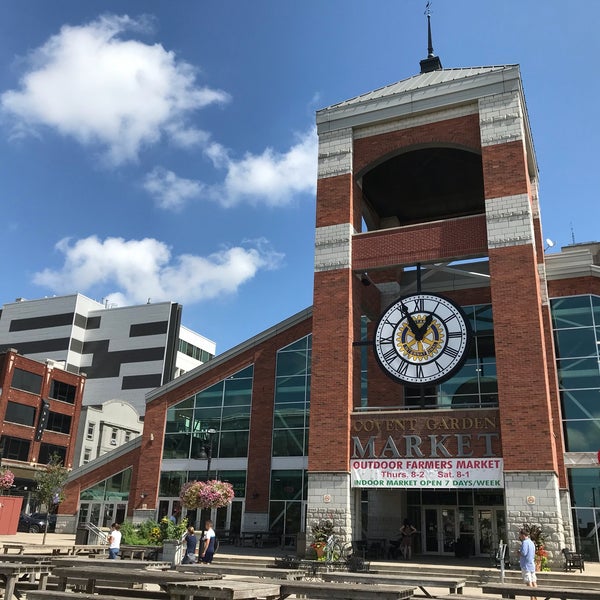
point(423, 329)
point(411, 322)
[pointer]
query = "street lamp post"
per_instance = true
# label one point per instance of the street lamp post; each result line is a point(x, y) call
point(209, 435)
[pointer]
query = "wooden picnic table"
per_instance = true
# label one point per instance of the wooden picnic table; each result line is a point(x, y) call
point(75, 561)
point(30, 559)
point(510, 590)
point(141, 552)
point(455, 585)
point(223, 590)
point(344, 591)
point(92, 574)
point(20, 548)
point(244, 570)
point(11, 573)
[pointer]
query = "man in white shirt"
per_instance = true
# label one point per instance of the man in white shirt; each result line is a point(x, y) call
point(114, 541)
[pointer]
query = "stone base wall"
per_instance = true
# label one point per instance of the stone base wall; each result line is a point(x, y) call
point(329, 497)
point(533, 497)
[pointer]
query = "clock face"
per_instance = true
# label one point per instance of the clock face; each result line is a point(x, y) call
point(422, 339)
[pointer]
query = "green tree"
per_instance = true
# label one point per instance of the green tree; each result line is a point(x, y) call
point(50, 485)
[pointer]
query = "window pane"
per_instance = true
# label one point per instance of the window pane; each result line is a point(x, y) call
point(63, 391)
point(238, 391)
point(581, 404)
point(289, 442)
point(59, 422)
point(29, 382)
point(290, 415)
point(579, 373)
point(575, 311)
point(213, 396)
point(291, 363)
point(582, 436)
point(286, 485)
point(177, 445)
point(572, 343)
point(483, 318)
point(179, 420)
point(290, 389)
point(585, 487)
point(15, 448)
point(47, 451)
point(234, 444)
point(20, 413)
point(235, 417)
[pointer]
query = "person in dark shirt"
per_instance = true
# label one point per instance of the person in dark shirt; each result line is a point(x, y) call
point(190, 546)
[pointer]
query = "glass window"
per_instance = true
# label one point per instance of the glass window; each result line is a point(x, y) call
point(287, 485)
point(171, 482)
point(59, 422)
point(290, 415)
point(87, 454)
point(117, 486)
point(574, 311)
point(582, 436)
point(234, 444)
point(574, 343)
point(20, 413)
point(90, 431)
point(224, 407)
point(289, 442)
point(26, 381)
point(584, 485)
point(63, 391)
point(15, 448)
point(47, 451)
point(579, 373)
point(581, 404)
point(290, 389)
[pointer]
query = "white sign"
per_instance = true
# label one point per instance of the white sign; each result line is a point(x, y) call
point(405, 473)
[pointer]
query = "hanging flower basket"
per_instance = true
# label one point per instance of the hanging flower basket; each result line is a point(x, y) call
point(7, 478)
point(206, 494)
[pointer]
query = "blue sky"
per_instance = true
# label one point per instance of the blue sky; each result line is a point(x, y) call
point(166, 150)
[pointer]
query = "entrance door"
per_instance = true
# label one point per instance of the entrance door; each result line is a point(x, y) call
point(439, 533)
point(491, 528)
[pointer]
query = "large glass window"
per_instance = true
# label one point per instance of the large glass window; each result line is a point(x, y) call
point(20, 413)
point(27, 381)
point(47, 451)
point(59, 422)
point(292, 399)
point(288, 491)
point(15, 448)
point(224, 407)
point(576, 321)
point(475, 384)
point(113, 489)
point(63, 391)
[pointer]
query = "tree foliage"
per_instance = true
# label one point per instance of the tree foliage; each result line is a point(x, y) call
point(50, 485)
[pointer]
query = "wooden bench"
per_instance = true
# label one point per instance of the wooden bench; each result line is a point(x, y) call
point(573, 560)
point(58, 595)
point(20, 548)
point(244, 570)
point(509, 590)
point(223, 590)
point(455, 586)
point(344, 591)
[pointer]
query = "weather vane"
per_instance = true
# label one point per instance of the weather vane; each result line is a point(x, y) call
point(428, 9)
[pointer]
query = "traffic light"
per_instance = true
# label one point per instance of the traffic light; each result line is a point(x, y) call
point(42, 421)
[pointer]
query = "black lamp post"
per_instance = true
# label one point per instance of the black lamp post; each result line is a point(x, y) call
point(207, 436)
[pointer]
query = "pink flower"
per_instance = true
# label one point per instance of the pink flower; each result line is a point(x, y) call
point(206, 494)
point(7, 479)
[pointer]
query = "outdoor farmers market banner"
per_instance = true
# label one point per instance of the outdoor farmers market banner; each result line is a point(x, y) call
point(406, 473)
point(457, 449)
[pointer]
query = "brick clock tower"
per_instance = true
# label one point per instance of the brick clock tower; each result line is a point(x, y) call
point(431, 184)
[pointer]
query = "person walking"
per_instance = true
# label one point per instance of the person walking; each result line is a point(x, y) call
point(208, 543)
point(527, 560)
point(114, 541)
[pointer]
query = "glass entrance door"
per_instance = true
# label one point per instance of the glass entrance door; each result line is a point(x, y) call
point(439, 534)
point(491, 528)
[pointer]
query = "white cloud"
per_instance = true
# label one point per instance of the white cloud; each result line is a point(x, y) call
point(169, 190)
point(270, 178)
point(142, 269)
point(89, 83)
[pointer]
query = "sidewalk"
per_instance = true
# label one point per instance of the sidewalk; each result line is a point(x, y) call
point(266, 554)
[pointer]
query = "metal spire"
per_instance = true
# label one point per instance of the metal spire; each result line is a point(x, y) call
point(432, 62)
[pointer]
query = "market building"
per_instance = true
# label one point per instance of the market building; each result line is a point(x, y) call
point(447, 372)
